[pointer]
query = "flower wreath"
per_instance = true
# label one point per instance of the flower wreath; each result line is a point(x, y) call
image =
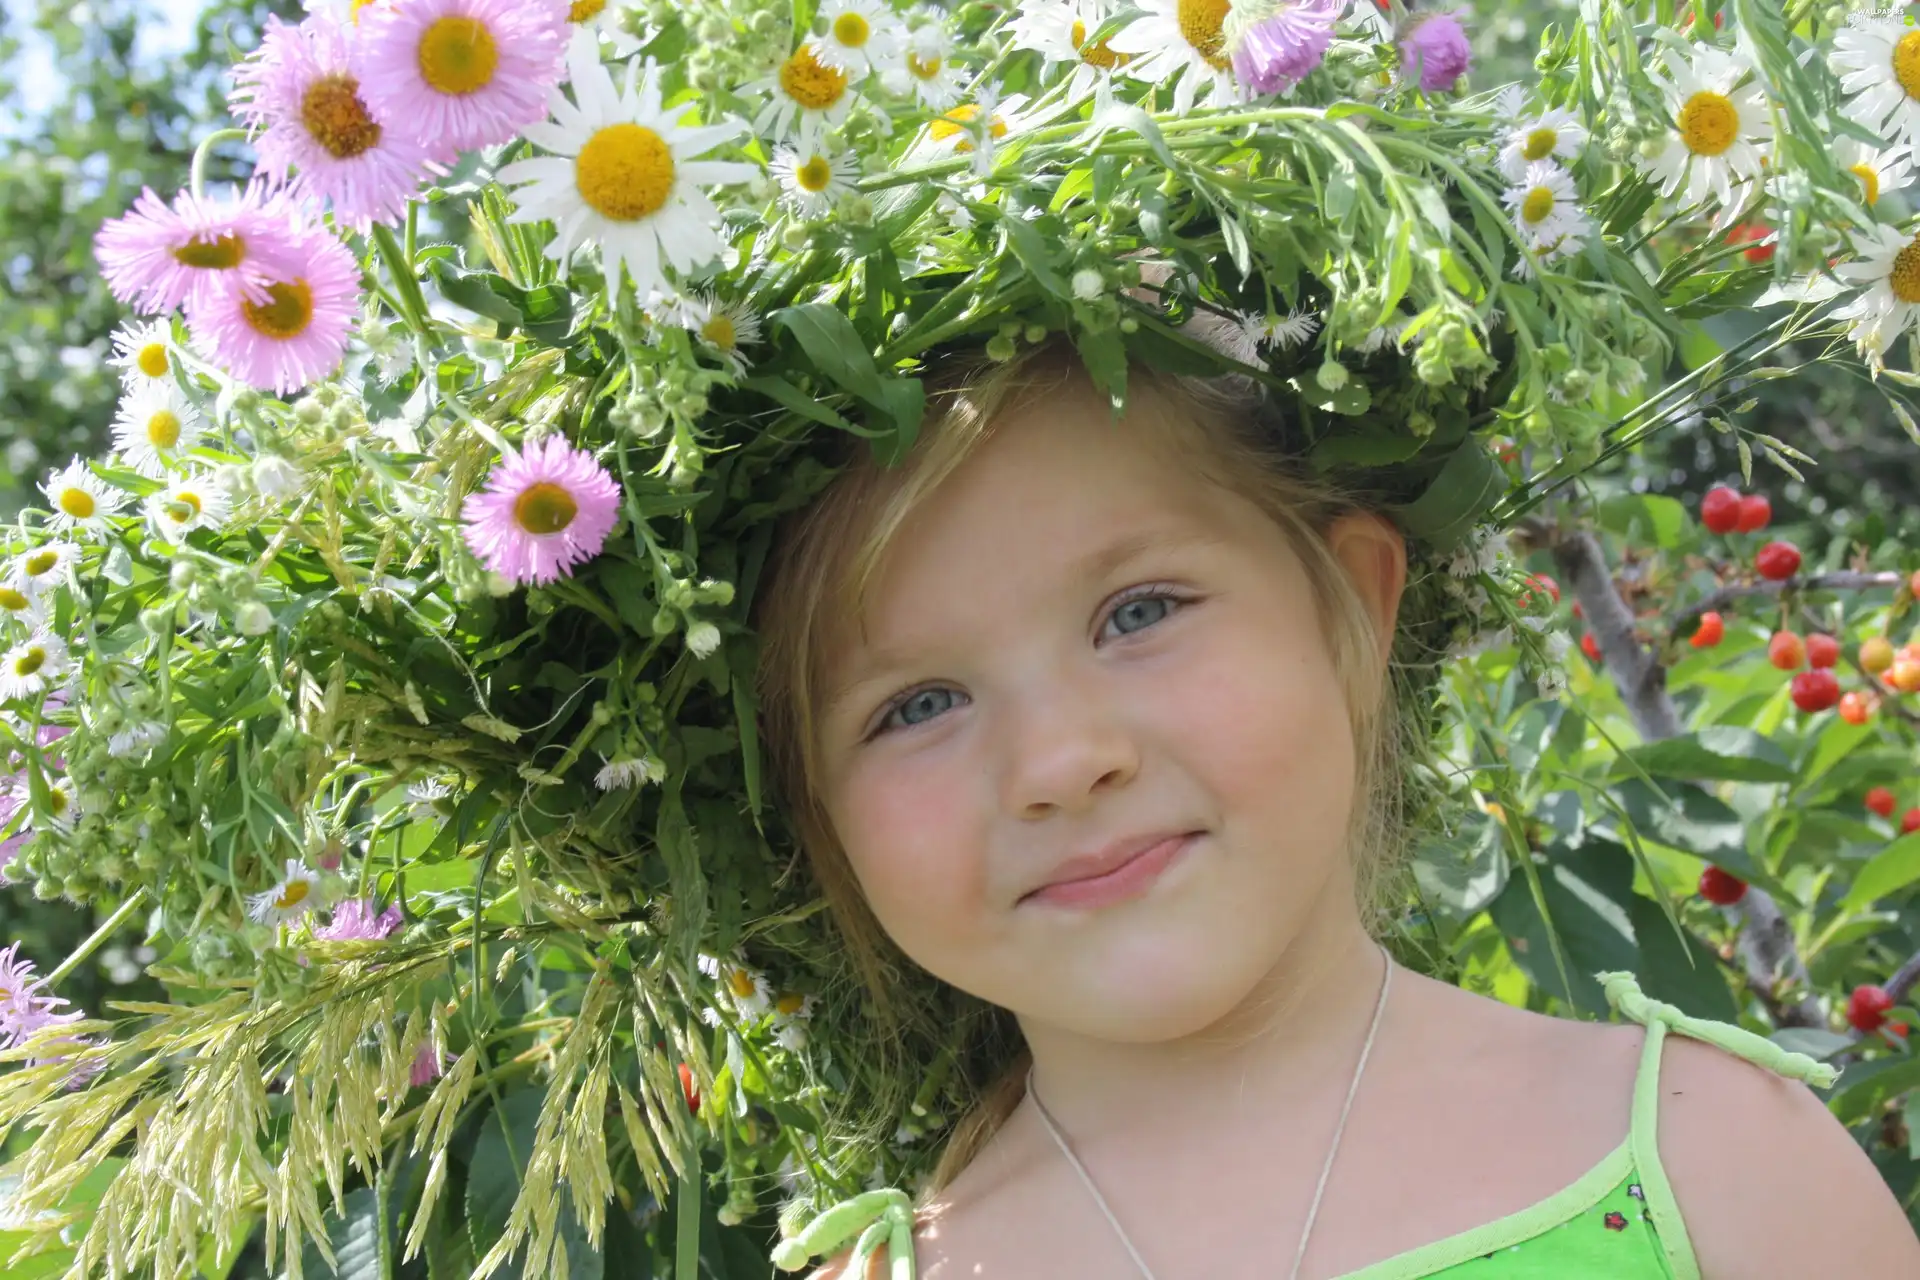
point(452, 648)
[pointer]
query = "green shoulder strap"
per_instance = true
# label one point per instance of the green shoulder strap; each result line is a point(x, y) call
point(868, 1219)
point(1624, 994)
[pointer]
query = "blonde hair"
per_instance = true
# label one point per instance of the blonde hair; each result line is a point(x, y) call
point(823, 562)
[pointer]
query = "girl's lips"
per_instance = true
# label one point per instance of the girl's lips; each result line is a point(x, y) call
point(1128, 880)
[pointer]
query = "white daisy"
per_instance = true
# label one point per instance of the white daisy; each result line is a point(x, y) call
point(1386, 335)
point(1879, 64)
point(1289, 331)
point(959, 130)
point(193, 502)
point(29, 611)
point(1554, 132)
point(1719, 132)
point(862, 35)
point(1879, 171)
point(1889, 304)
point(804, 97)
point(33, 665)
point(1546, 210)
point(791, 1013)
point(751, 993)
point(621, 772)
point(80, 499)
point(607, 20)
point(297, 893)
point(136, 738)
point(1059, 31)
point(926, 69)
point(43, 568)
point(1184, 38)
point(424, 794)
point(623, 176)
point(155, 428)
point(141, 351)
point(813, 177)
point(723, 325)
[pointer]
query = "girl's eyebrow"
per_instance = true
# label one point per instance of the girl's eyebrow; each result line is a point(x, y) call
point(1103, 560)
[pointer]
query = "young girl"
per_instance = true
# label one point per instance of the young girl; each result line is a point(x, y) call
point(1095, 722)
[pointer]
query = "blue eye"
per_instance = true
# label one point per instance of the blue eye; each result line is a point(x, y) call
point(1167, 601)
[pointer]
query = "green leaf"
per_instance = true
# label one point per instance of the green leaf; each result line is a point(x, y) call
point(1462, 873)
point(1104, 354)
point(834, 347)
point(1583, 890)
point(1718, 752)
point(1697, 988)
point(1468, 485)
point(355, 1239)
point(798, 401)
point(1692, 820)
point(1027, 244)
point(1865, 1087)
point(1646, 517)
point(1893, 868)
point(499, 1162)
point(1815, 1042)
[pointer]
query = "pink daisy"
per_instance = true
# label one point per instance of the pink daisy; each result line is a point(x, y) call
point(355, 918)
point(159, 256)
point(426, 1065)
point(299, 334)
point(320, 140)
point(544, 510)
point(460, 74)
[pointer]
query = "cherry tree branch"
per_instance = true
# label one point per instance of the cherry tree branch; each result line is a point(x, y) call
point(1843, 580)
point(1769, 956)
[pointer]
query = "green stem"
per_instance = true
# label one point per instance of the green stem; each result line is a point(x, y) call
point(100, 935)
point(405, 281)
point(198, 177)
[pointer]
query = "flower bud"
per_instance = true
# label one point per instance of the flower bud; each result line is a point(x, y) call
point(254, 619)
point(183, 574)
point(702, 639)
point(1332, 376)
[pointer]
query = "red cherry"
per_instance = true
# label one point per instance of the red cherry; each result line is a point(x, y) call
point(1578, 612)
point(1720, 509)
point(1752, 231)
point(1822, 650)
point(1881, 801)
point(1547, 584)
point(1777, 561)
point(1710, 631)
point(691, 1094)
point(1815, 690)
point(1721, 888)
point(1910, 821)
point(1854, 708)
point(1900, 1029)
point(1867, 1007)
point(1755, 513)
point(1786, 650)
point(1913, 584)
point(1590, 647)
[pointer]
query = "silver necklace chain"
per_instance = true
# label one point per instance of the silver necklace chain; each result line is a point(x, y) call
point(1326, 1169)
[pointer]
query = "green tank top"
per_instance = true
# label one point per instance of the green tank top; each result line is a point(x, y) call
point(1619, 1221)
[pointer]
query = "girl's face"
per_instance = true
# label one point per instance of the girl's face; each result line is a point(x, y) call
point(1023, 694)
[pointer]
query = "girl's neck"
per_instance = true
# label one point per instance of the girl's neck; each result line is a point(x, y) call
point(1294, 1036)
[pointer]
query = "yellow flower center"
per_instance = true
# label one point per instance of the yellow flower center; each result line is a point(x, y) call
point(30, 662)
point(851, 30)
point(1201, 23)
point(354, 12)
point(1904, 279)
point(13, 600)
point(152, 360)
point(184, 507)
point(1868, 179)
point(336, 118)
point(458, 55)
point(924, 68)
point(1096, 54)
point(40, 562)
point(544, 508)
point(292, 894)
point(1540, 144)
point(163, 429)
point(955, 123)
point(791, 1003)
point(625, 172)
point(740, 982)
point(1906, 63)
point(721, 332)
point(585, 10)
point(77, 502)
point(1537, 205)
point(814, 175)
point(57, 801)
point(810, 84)
point(1708, 123)
point(287, 316)
point(221, 254)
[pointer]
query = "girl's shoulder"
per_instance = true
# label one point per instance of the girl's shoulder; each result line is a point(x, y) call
point(1769, 1181)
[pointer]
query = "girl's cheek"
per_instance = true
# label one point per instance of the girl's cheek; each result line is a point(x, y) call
point(917, 842)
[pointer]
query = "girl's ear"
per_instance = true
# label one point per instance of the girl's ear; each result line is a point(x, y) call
point(1374, 554)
